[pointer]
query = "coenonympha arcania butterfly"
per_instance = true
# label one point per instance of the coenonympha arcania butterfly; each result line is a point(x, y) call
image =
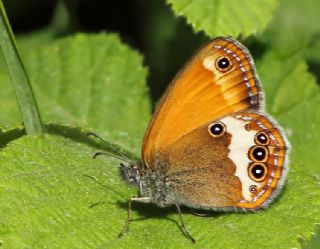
point(210, 144)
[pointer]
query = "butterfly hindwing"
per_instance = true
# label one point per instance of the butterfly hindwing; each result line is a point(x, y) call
point(219, 171)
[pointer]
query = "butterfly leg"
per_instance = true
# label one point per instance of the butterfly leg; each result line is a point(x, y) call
point(183, 226)
point(126, 225)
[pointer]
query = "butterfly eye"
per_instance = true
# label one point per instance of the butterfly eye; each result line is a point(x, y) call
point(261, 138)
point(217, 129)
point(223, 64)
point(258, 154)
point(257, 171)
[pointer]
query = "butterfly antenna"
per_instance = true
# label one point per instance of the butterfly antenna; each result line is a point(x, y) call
point(99, 153)
point(116, 152)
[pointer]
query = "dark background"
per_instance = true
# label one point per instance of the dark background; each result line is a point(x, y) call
point(148, 26)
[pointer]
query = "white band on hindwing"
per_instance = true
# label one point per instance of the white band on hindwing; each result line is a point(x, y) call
point(275, 153)
point(241, 141)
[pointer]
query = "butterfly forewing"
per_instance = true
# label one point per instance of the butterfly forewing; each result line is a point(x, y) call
point(219, 79)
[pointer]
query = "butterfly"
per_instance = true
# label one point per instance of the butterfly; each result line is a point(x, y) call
point(210, 144)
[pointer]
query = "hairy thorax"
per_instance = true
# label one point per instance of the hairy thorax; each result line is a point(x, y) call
point(152, 183)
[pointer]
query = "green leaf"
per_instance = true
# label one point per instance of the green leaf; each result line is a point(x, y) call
point(293, 96)
point(10, 133)
point(294, 24)
point(227, 17)
point(10, 114)
point(19, 77)
point(51, 195)
point(48, 200)
point(315, 242)
point(286, 80)
point(92, 81)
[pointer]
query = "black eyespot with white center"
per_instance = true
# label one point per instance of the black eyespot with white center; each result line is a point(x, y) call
point(217, 129)
point(257, 171)
point(223, 64)
point(258, 154)
point(261, 138)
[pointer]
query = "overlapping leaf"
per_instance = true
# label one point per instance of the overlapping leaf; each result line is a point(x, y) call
point(294, 26)
point(227, 17)
point(293, 95)
point(78, 80)
point(47, 199)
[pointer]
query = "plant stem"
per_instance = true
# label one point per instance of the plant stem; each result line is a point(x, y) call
point(19, 77)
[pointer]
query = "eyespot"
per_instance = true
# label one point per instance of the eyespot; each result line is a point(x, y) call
point(223, 64)
point(217, 129)
point(257, 171)
point(258, 154)
point(253, 189)
point(261, 138)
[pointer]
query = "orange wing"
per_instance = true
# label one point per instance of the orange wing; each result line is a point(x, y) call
point(219, 79)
